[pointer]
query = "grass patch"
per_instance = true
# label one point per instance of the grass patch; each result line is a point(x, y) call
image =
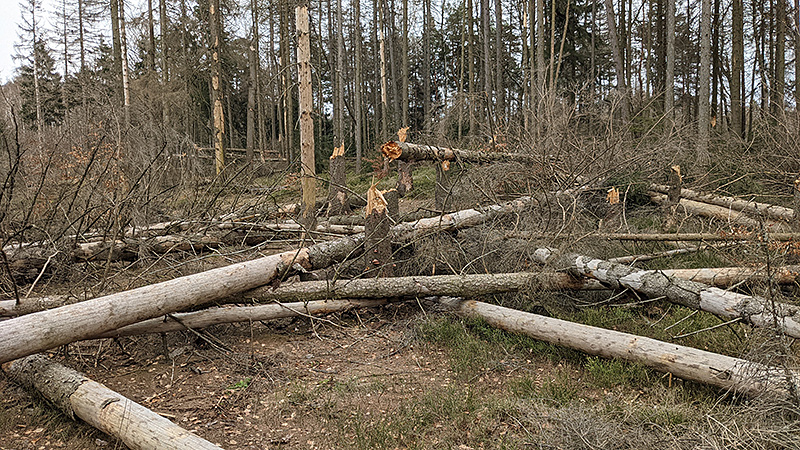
point(612, 373)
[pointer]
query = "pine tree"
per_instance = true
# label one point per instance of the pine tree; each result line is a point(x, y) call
point(49, 83)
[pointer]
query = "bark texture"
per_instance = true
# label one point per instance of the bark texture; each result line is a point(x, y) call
point(756, 311)
point(102, 408)
point(405, 151)
point(767, 210)
point(717, 370)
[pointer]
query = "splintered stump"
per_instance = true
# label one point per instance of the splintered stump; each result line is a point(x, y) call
point(337, 194)
point(377, 243)
point(443, 186)
point(102, 408)
point(688, 363)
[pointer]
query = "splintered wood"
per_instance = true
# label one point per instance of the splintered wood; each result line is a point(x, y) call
point(377, 245)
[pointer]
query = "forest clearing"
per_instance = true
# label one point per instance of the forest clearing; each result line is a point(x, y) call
point(268, 224)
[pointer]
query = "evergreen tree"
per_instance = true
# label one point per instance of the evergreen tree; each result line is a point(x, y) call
point(52, 104)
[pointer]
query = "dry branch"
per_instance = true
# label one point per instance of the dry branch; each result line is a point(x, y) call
point(756, 311)
point(758, 209)
point(102, 408)
point(717, 370)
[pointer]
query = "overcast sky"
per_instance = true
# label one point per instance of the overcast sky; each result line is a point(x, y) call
point(9, 19)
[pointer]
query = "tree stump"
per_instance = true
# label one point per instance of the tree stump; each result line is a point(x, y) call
point(443, 186)
point(337, 194)
point(377, 243)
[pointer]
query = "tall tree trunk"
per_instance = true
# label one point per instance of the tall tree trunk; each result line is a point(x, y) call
point(405, 75)
point(471, 57)
point(737, 68)
point(669, 76)
point(619, 64)
point(779, 84)
point(339, 135)
point(123, 48)
point(715, 61)
point(164, 26)
point(306, 121)
point(499, 87)
point(797, 55)
point(384, 85)
point(541, 79)
point(358, 88)
point(426, 62)
point(151, 41)
point(218, 116)
point(487, 65)
point(116, 44)
point(253, 62)
point(703, 113)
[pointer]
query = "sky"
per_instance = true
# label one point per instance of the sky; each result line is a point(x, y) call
point(9, 19)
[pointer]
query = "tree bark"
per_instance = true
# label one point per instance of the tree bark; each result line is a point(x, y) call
point(358, 88)
point(405, 151)
point(377, 244)
point(108, 411)
point(669, 76)
point(253, 63)
point(691, 364)
point(727, 215)
point(757, 209)
point(619, 63)
point(756, 311)
point(123, 40)
point(779, 84)
point(499, 85)
point(218, 116)
point(737, 68)
point(703, 113)
point(307, 163)
point(337, 189)
point(724, 277)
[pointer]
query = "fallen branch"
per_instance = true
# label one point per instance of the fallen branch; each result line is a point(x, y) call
point(102, 408)
point(756, 311)
point(729, 276)
point(405, 151)
point(691, 364)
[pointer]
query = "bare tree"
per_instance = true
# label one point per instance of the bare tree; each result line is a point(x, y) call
point(619, 64)
point(306, 121)
point(215, 22)
point(703, 113)
point(737, 67)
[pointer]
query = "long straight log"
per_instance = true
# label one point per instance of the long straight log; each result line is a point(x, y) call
point(405, 151)
point(102, 408)
point(83, 320)
point(685, 237)
point(688, 363)
point(751, 207)
point(728, 276)
point(717, 212)
point(756, 311)
point(233, 314)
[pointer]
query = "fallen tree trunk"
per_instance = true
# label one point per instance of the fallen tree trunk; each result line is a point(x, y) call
point(688, 363)
point(678, 237)
point(233, 314)
point(102, 408)
point(758, 209)
point(717, 212)
point(83, 320)
point(631, 259)
point(729, 276)
point(756, 311)
point(405, 151)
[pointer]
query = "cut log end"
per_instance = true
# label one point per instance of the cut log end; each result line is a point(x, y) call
point(391, 150)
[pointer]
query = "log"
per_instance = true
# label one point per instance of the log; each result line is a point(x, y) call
point(723, 277)
point(10, 308)
point(632, 259)
point(405, 151)
point(83, 320)
point(685, 237)
point(721, 371)
point(108, 411)
point(754, 310)
point(727, 215)
point(233, 314)
point(757, 209)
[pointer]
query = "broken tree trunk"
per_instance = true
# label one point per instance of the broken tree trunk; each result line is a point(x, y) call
point(727, 215)
point(729, 276)
point(378, 243)
point(337, 192)
point(678, 237)
point(442, 189)
point(233, 314)
point(102, 408)
point(405, 151)
point(405, 178)
point(766, 210)
point(688, 363)
point(83, 320)
point(756, 311)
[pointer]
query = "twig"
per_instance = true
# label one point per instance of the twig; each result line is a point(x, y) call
point(707, 328)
